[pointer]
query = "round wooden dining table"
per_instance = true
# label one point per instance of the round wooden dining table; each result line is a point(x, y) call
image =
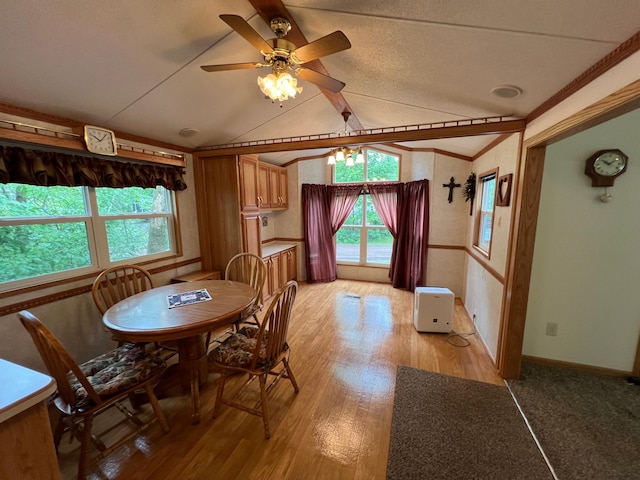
point(146, 317)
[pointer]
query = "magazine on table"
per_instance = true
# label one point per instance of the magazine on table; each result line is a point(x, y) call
point(187, 298)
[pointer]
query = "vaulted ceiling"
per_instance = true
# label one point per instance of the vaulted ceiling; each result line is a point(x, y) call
point(134, 67)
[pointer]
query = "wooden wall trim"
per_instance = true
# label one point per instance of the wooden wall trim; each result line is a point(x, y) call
point(520, 261)
point(69, 142)
point(434, 246)
point(484, 264)
point(438, 130)
point(71, 123)
point(624, 50)
point(492, 145)
point(616, 104)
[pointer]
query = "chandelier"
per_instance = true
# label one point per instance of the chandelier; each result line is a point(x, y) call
point(343, 154)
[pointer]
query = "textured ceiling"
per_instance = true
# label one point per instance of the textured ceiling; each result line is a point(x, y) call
point(135, 66)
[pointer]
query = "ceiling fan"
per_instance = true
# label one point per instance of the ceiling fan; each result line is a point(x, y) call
point(282, 55)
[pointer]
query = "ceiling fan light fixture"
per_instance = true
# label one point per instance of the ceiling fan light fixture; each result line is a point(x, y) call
point(332, 159)
point(340, 155)
point(359, 156)
point(279, 86)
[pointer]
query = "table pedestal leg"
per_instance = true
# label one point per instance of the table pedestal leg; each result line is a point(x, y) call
point(193, 370)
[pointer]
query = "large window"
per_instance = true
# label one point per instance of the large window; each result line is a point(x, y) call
point(49, 231)
point(484, 220)
point(363, 239)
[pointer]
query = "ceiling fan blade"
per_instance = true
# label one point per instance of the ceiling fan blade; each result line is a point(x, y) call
point(230, 66)
point(332, 43)
point(240, 25)
point(319, 79)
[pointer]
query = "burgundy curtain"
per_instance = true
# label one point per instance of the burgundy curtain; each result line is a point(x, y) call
point(385, 200)
point(343, 198)
point(49, 168)
point(409, 257)
point(324, 208)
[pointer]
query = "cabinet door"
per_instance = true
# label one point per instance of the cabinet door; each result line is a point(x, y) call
point(274, 197)
point(264, 199)
point(248, 177)
point(277, 277)
point(284, 268)
point(266, 290)
point(292, 264)
point(251, 238)
point(283, 188)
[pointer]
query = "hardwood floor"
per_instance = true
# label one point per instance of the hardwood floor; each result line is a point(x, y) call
point(346, 339)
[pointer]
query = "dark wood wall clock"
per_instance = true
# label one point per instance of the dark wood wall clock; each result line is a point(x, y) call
point(604, 166)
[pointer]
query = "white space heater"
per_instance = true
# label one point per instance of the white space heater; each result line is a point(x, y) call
point(433, 309)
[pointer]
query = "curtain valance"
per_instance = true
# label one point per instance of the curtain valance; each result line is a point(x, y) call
point(50, 168)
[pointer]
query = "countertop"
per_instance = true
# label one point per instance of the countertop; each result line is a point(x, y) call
point(272, 248)
point(21, 389)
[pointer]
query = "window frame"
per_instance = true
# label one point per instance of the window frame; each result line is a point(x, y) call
point(364, 227)
point(481, 214)
point(97, 242)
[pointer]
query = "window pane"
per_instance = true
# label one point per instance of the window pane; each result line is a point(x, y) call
point(355, 217)
point(344, 174)
point(29, 201)
point(137, 237)
point(348, 245)
point(484, 239)
point(379, 243)
point(372, 215)
point(382, 167)
point(34, 250)
point(115, 201)
point(488, 194)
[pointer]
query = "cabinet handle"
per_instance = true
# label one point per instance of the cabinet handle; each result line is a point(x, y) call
point(259, 200)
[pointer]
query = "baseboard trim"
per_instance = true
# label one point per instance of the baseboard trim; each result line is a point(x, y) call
point(577, 366)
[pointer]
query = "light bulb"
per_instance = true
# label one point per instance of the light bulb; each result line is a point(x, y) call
point(340, 155)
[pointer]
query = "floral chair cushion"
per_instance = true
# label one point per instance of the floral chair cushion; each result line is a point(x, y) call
point(116, 371)
point(237, 350)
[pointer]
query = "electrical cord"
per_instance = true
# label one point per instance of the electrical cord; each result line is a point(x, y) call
point(462, 337)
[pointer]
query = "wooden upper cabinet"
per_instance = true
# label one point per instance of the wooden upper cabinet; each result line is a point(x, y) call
point(248, 178)
point(263, 185)
point(272, 187)
point(283, 187)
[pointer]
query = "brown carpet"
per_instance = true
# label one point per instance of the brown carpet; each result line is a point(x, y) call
point(588, 425)
point(447, 428)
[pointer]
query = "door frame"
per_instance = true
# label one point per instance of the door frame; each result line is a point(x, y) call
point(527, 201)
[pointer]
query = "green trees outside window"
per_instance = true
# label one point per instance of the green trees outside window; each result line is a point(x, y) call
point(52, 230)
point(363, 238)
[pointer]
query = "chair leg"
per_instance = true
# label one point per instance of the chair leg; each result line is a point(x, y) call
point(221, 382)
point(153, 400)
point(263, 399)
point(290, 375)
point(85, 443)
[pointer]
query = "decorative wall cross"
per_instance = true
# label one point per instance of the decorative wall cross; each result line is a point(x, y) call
point(451, 185)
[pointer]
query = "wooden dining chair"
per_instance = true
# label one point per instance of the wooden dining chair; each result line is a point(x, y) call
point(250, 269)
point(117, 283)
point(257, 351)
point(122, 281)
point(86, 390)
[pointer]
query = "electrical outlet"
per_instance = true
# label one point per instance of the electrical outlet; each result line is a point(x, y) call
point(552, 329)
